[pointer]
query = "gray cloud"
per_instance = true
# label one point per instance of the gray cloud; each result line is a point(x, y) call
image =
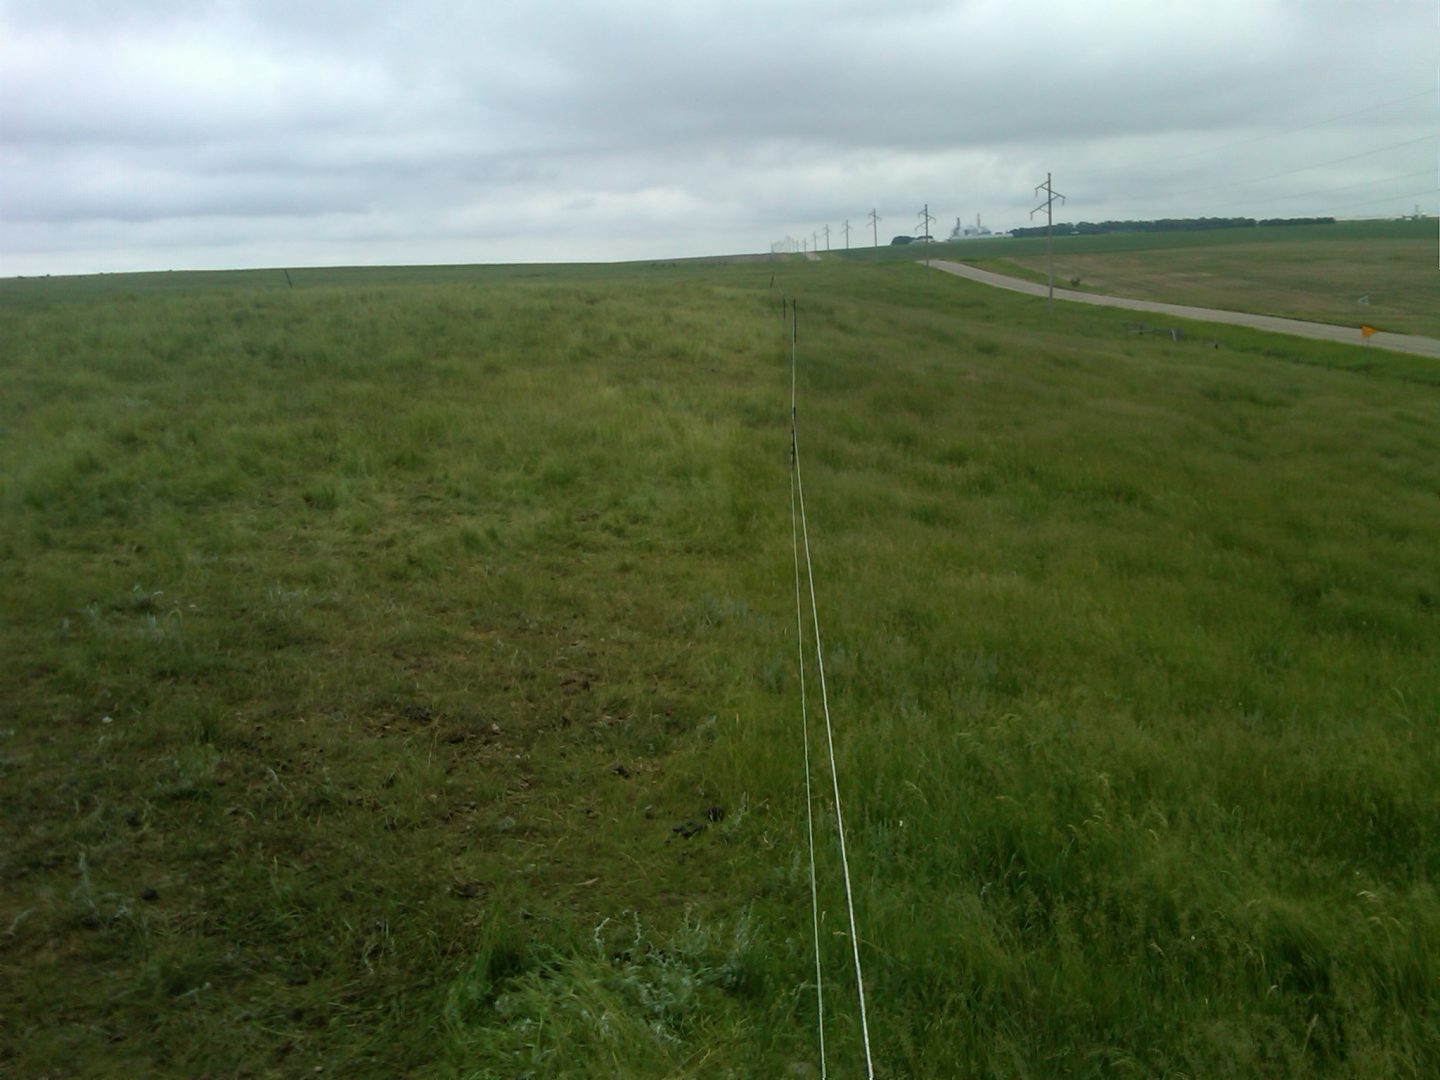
point(239, 133)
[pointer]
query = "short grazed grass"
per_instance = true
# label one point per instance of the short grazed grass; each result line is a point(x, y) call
point(399, 677)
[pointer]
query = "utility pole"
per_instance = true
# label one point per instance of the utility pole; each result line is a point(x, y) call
point(925, 220)
point(846, 230)
point(875, 227)
point(1049, 207)
point(827, 237)
point(815, 241)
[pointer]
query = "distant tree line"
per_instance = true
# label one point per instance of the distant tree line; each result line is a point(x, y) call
point(1092, 228)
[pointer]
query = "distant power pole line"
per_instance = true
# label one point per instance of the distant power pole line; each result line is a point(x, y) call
point(925, 221)
point(846, 230)
point(827, 237)
point(815, 241)
point(875, 227)
point(1049, 207)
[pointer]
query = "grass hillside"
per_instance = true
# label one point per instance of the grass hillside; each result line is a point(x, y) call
point(1379, 272)
point(399, 678)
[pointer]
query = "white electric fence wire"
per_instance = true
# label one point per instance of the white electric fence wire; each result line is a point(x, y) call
point(799, 496)
point(805, 730)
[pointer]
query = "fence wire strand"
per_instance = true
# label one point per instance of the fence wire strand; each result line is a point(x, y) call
point(797, 510)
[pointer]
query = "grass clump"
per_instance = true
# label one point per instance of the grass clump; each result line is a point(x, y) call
point(622, 1003)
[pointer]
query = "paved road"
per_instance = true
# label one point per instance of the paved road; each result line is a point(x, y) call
point(1421, 346)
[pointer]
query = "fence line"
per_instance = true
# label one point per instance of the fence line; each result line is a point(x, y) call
point(797, 510)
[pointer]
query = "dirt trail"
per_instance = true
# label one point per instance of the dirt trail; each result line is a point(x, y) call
point(1409, 343)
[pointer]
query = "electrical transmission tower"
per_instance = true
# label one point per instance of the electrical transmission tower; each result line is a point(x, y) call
point(1049, 207)
point(846, 230)
point(925, 221)
point(875, 227)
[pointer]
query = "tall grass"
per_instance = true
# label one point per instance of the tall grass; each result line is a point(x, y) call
point(401, 679)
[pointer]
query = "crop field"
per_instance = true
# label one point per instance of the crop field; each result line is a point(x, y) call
point(399, 677)
point(1384, 273)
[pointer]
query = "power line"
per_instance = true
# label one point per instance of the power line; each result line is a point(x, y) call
point(1168, 196)
point(1391, 198)
point(1162, 196)
point(1288, 172)
point(1343, 187)
point(1167, 158)
point(1049, 207)
point(925, 222)
point(875, 227)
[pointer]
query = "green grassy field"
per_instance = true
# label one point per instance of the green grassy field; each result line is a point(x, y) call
point(399, 678)
point(1302, 272)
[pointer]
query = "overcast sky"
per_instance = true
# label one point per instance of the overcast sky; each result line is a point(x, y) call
point(158, 134)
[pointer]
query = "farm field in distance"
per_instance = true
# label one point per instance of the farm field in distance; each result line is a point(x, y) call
point(399, 678)
point(1385, 273)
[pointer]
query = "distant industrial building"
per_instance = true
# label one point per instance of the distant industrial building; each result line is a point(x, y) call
point(969, 232)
